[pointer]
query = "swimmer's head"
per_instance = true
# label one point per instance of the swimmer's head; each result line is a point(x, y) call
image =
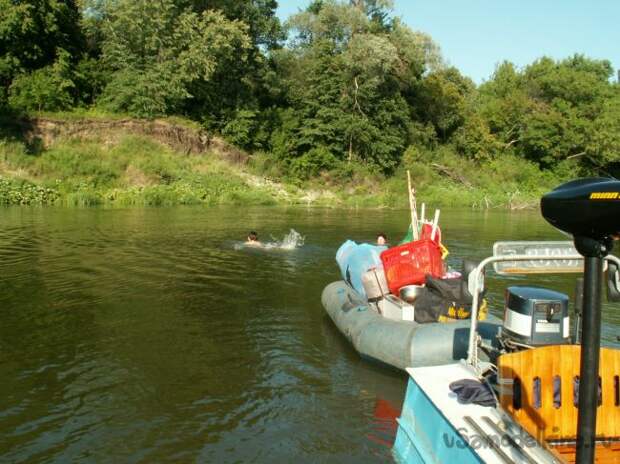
point(381, 239)
point(252, 236)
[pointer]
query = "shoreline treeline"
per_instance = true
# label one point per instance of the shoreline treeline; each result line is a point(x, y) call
point(339, 89)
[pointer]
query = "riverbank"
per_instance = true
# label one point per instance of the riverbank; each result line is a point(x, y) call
point(88, 159)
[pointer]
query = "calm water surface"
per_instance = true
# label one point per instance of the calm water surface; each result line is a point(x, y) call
point(147, 335)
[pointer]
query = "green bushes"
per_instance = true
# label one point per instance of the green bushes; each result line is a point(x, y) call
point(45, 89)
point(505, 181)
point(241, 128)
point(132, 171)
point(312, 163)
point(16, 192)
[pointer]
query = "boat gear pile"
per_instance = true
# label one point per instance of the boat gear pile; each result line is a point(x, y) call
point(401, 305)
point(378, 273)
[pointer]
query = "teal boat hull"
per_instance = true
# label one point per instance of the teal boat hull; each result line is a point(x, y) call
point(425, 436)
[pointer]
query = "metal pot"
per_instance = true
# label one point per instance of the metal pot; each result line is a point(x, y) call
point(410, 293)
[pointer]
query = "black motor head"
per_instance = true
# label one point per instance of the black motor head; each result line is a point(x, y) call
point(588, 208)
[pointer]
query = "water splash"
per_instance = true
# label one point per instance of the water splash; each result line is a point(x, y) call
point(291, 241)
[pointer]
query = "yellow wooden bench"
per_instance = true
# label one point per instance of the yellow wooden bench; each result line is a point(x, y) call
point(537, 389)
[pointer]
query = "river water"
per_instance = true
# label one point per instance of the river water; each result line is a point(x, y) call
point(149, 335)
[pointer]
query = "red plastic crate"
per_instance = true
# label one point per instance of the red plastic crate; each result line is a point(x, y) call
point(427, 231)
point(408, 264)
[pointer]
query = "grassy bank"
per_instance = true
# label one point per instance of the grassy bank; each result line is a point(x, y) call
point(134, 171)
point(137, 170)
point(441, 177)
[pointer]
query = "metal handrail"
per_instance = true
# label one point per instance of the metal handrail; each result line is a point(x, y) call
point(472, 352)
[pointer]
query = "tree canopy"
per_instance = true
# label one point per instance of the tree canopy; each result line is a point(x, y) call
point(341, 83)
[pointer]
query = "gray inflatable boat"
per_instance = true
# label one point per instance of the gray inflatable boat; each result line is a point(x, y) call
point(397, 342)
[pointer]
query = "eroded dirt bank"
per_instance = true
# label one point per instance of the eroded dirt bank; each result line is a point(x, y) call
point(45, 131)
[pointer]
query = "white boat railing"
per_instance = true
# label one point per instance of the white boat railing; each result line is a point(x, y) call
point(474, 288)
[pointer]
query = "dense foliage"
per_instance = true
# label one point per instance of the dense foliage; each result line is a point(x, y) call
point(341, 86)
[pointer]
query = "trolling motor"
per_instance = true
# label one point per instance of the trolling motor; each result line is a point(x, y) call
point(589, 210)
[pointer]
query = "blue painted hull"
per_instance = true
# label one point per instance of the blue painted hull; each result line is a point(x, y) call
point(426, 436)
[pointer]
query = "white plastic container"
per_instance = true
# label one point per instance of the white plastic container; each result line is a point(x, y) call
point(394, 308)
point(375, 284)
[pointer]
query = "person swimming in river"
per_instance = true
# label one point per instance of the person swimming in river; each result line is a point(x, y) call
point(253, 239)
point(382, 239)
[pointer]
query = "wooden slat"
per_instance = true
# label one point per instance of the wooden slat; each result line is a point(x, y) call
point(548, 422)
point(609, 413)
point(570, 364)
point(604, 454)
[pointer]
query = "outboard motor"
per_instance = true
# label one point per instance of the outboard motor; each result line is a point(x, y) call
point(589, 210)
point(535, 316)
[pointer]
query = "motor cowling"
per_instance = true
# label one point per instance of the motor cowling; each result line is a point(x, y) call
point(536, 316)
point(585, 208)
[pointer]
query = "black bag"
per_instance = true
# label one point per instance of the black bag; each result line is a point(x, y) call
point(443, 299)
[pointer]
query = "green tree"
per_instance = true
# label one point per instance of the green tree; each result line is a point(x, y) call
point(32, 33)
point(245, 83)
point(48, 88)
point(504, 103)
point(264, 27)
point(554, 111)
point(441, 100)
point(347, 69)
point(157, 51)
point(602, 153)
